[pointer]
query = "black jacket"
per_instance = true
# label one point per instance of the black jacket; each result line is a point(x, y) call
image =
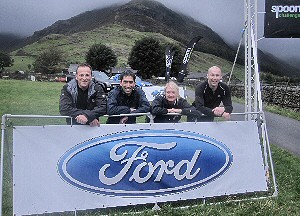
point(96, 102)
point(160, 108)
point(120, 103)
point(206, 99)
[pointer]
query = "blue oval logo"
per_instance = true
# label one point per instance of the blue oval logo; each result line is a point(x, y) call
point(145, 163)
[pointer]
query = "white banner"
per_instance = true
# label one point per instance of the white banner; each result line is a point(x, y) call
point(64, 168)
point(152, 91)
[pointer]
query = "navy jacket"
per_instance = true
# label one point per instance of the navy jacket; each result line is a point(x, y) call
point(120, 103)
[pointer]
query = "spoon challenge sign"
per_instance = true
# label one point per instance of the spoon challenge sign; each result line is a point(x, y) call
point(122, 165)
point(145, 163)
point(282, 19)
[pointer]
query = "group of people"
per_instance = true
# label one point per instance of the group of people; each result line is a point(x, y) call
point(85, 100)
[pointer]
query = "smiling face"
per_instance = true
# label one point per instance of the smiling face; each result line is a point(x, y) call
point(83, 77)
point(170, 95)
point(127, 84)
point(171, 92)
point(213, 77)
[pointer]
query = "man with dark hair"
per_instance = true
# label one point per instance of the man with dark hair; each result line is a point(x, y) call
point(83, 99)
point(126, 99)
point(210, 94)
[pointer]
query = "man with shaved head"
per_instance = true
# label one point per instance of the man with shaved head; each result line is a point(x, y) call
point(210, 94)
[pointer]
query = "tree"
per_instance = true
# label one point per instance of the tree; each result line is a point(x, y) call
point(5, 61)
point(48, 62)
point(101, 57)
point(147, 56)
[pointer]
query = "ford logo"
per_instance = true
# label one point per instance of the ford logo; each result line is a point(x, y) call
point(145, 163)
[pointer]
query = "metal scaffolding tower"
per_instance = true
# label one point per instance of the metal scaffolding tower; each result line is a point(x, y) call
point(253, 100)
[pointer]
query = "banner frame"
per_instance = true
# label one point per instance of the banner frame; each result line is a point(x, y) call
point(266, 152)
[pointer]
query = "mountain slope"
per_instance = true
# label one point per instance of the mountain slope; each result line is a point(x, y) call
point(152, 16)
point(119, 38)
point(145, 16)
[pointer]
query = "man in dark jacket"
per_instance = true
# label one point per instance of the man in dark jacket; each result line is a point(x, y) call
point(210, 94)
point(126, 99)
point(83, 99)
point(172, 104)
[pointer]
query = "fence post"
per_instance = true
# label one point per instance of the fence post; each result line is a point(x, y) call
point(3, 125)
point(283, 94)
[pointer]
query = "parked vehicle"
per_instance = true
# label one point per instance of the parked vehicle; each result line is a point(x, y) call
point(102, 77)
point(139, 82)
point(71, 72)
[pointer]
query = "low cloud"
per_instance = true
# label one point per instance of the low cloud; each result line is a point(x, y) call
point(225, 17)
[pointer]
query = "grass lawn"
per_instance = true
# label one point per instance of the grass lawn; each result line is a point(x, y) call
point(42, 98)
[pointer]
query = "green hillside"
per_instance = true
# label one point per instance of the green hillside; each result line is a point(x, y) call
point(120, 39)
point(119, 25)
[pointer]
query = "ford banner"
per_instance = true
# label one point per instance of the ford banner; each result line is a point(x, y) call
point(125, 165)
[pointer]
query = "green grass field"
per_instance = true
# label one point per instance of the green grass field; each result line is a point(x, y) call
point(42, 98)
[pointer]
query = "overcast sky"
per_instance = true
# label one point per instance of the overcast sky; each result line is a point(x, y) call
point(226, 17)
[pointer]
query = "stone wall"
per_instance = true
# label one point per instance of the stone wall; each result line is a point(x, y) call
point(282, 95)
point(36, 76)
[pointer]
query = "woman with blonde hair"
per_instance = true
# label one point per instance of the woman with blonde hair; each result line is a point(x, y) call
point(171, 103)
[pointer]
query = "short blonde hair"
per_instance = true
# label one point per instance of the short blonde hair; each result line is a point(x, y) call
point(173, 86)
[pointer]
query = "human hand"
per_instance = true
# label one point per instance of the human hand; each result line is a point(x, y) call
point(123, 120)
point(81, 119)
point(94, 123)
point(226, 116)
point(218, 111)
point(173, 110)
point(132, 109)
